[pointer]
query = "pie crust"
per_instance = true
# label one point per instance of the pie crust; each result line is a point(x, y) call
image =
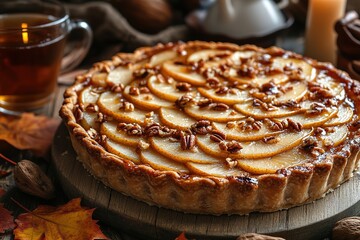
point(260, 129)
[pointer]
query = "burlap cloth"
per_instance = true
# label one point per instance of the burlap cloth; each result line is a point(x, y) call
point(109, 26)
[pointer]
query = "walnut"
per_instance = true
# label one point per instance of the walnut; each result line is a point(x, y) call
point(201, 127)
point(30, 179)
point(187, 142)
point(347, 228)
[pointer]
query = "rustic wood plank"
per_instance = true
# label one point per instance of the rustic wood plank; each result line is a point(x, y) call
point(310, 221)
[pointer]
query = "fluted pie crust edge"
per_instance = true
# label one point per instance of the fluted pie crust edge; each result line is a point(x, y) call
point(288, 187)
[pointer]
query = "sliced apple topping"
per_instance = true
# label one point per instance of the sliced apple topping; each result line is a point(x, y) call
point(258, 112)
point(120, 75)
point(235, 133)
point(312, 120)
point(110, 104)
point(110, 129)
point(162, 57)
point(288, 64)
point(214, 169)
point(277, 79)
point(258, 149)
point(182, 73)
point(123, 151)
point(159, 162)
point(297, 90)
point(88, 96)
point(167, 90)
point(206, 54)
point(238, 55)
point(176, 119)
point(89, 121)
point(335, 137)
point(231, 96)
point(343, 116)
point(145, 100)
point(173, 150)
point(272, 164)
point(209, 113)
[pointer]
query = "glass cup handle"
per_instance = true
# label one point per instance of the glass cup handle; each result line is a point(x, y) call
point(76, 49)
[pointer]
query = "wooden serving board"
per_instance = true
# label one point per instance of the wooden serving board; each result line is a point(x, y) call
point(311, 221)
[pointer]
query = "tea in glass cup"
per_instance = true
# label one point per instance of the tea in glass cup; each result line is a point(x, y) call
point(32, 41)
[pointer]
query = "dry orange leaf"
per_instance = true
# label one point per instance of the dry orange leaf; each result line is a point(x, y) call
point(28, 132)
point(181, 237)
point(6, 220)
point(69, 221)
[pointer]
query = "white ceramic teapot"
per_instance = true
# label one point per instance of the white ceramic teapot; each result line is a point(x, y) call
point(244, 18)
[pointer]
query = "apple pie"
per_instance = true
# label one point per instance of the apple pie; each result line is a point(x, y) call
point(215, 128)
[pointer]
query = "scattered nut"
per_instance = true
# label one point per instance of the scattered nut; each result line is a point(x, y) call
point(30, 179)
point(347, 229)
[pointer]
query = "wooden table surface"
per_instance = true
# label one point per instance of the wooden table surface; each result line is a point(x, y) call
point(292, 40)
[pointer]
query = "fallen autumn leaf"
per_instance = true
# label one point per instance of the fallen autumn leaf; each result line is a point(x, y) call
point(69, 221)
point(6, 220)
point(28, 132)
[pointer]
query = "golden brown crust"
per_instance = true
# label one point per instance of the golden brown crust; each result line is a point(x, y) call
point(206, 194)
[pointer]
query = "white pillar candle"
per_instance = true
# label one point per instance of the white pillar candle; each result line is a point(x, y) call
point(320, 39)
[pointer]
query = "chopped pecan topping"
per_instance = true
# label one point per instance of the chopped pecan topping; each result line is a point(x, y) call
point(142, 145)
point(264, 106)
point(292, 104)
point(204, 102)
point(141, 73)
point(92, 108)
point(249, 124)
point(319, 91)
point(134, 91)
point(152, 130)
point(182, 101)
point(219, 106)
point(127, 106)
point(233, 147)
point(319, 131)
point(78, 113)
point(117, 88)
point(217, 136)
point(212, 82)
point(201, 127)
point(100, 117)
point(309, 143)
point(316, 109)
point(231, 124)
point(270, 139)
point(222, 90)
point(231, 163)
point(247, 71)
point(183, 87)
point(131, 128)
point(294, 125)
point(92, 133)
point(187, 142)
point(274, 125)
point(265, 59)
point(196, 66)
point(144, 90)
point(270, 88)
point(223, 146)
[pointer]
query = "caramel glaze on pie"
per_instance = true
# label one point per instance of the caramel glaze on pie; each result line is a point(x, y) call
point(215, 128)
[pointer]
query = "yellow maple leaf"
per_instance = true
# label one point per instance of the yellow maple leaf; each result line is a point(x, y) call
point(68, 222)
point(28, 132)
